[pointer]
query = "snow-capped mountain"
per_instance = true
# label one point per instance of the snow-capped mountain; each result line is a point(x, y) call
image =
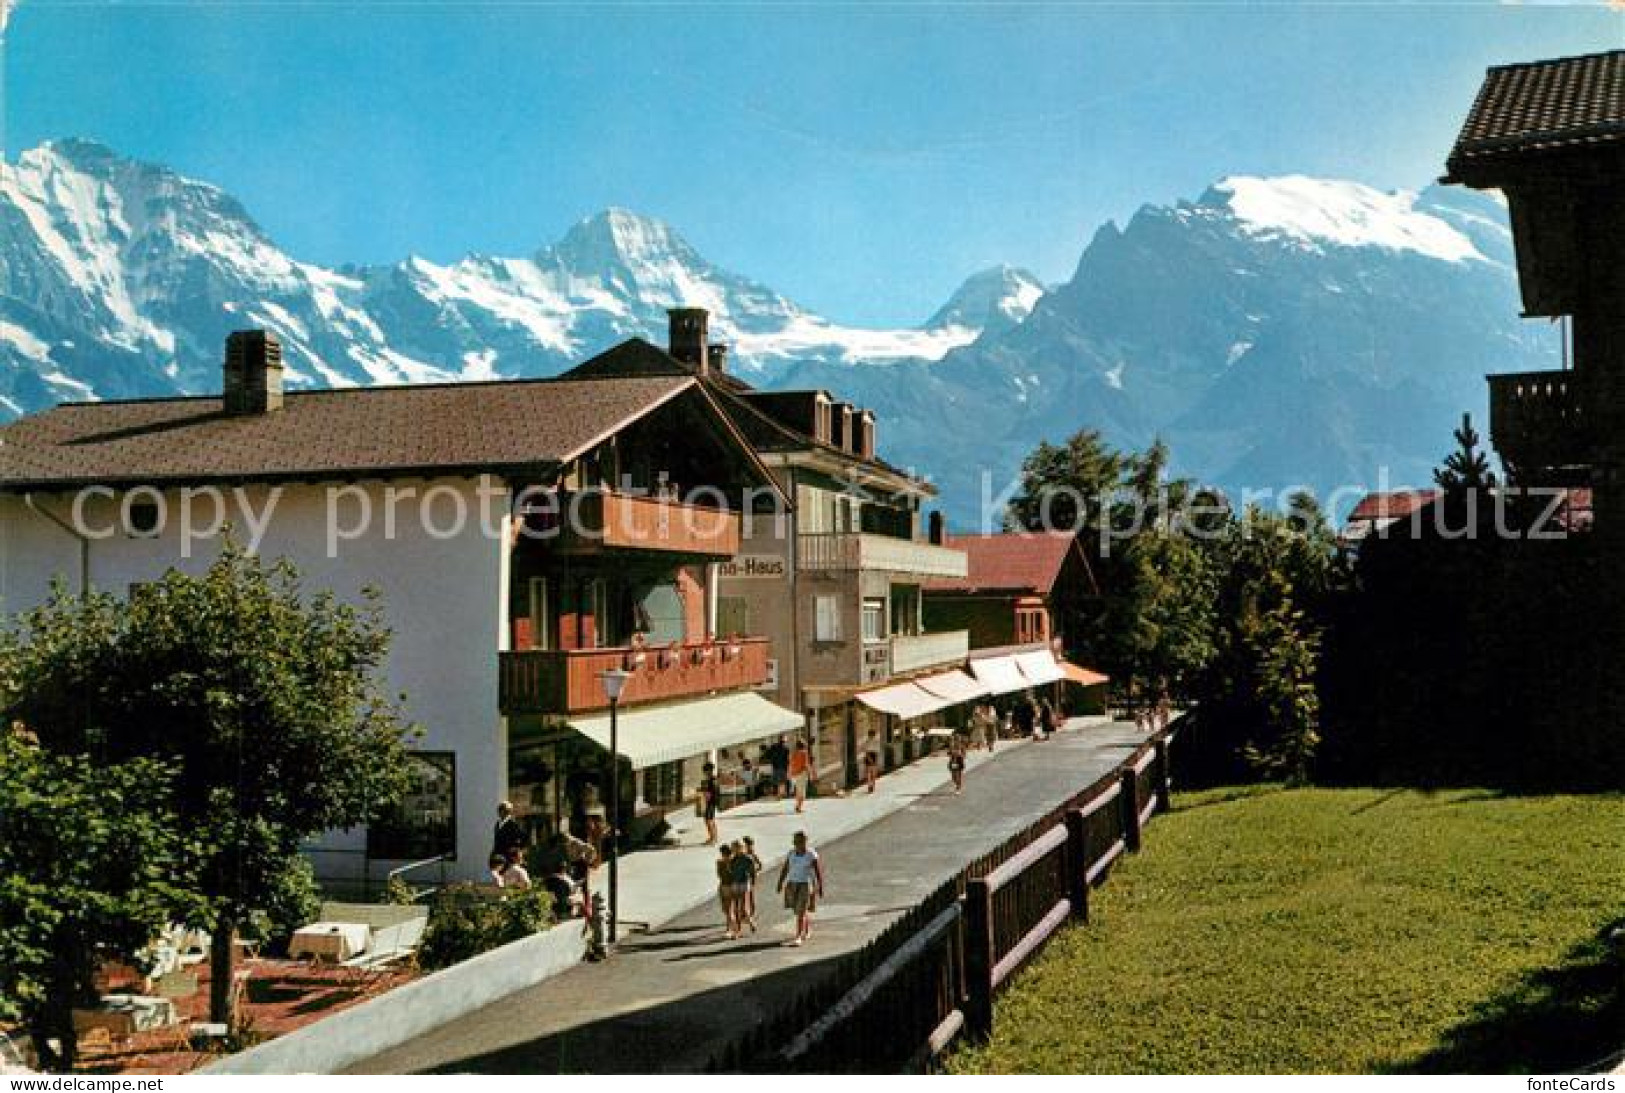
point(991, 301)
point(121, 278)
point(1275, 331)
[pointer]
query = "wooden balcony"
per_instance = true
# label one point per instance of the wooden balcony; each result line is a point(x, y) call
point(911, 653)
point(1542, 421)
point(862, 551)
point(565, 681)
point(602, 519)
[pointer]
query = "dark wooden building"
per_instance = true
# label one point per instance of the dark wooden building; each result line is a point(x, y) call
point(1550, 135)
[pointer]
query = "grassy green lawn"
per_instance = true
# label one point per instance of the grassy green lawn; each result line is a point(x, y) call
point(1313, 930)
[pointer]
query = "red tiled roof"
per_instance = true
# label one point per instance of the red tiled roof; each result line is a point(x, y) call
point(1391, 506)
point(1028, 562)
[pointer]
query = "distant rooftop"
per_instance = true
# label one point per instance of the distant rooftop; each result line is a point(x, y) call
point(1023, 562)
point(1561, 105)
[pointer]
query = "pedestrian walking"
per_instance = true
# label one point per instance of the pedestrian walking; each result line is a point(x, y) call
point(778, 757)
point(725, 892)
point(956, 763)
point(706, 804)
point(742, 871)
point(800, 771)
point(1024, 716)
point(1047, 719)
point(871, 760)
point(985, 724)
point(755, 877)
point(801, 879)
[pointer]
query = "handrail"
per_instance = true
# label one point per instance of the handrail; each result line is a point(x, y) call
point(1029, 856)
point(438, 859)
point(401, 871)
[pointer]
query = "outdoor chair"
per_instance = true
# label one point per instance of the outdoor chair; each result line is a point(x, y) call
point(393, 942)
point(17, 1054)
point(175, 985)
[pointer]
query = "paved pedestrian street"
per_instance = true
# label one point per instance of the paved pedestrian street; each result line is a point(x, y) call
point(671, 997)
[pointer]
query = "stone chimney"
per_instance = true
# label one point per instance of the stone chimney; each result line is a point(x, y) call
point(687, 336)
point(842, 424)
point(864, 423)
point(935, 533)
point(253, 372)
point(717, 358)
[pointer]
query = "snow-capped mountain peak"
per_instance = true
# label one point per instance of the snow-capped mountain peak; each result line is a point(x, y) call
point(122, 278)
point(1313, 212)
point(995, 298)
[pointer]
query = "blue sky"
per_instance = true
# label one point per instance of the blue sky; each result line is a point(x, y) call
point(860, 159)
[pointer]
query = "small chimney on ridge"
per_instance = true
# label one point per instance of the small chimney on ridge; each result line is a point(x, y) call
point(687, 336)
point(717, 354)
point(252, 372)
point(865, 422)
point(841, 426)
point(934, 529)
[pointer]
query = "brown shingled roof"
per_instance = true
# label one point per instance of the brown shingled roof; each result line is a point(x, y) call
point(512, 427)
point(1544, 106)
point(1026, 562)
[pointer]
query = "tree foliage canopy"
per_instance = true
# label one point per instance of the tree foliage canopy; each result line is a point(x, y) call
point(92, 867)
point(263, 701)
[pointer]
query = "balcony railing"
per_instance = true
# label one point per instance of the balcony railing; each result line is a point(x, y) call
point(855, 550)
point(910, 653)
point(1541, 420)
point(601, 518)
point(565, 681)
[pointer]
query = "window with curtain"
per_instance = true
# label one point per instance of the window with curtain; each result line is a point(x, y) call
point(827, 619)
point(874, 620)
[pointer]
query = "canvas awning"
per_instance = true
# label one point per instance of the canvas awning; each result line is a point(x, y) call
point(956, 686)
point(999, 675)
point(651, 735)
point(1039, 668)
point(1083, 677)
point(903, 700)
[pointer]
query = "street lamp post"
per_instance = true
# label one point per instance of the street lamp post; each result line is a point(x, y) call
point(614, 681)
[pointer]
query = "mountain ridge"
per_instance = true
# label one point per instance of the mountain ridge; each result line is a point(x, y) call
point(1272, 329)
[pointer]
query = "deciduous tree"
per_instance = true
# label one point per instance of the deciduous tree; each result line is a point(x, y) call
point(264, 700)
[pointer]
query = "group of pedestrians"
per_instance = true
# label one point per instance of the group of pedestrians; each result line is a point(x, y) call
point(789, 771)
point(801, 883)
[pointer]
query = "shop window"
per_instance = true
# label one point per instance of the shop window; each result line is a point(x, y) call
point(663, 785)
point(424, 824)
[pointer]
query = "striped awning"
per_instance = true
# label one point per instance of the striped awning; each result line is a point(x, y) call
point(1083, 677)
point(650, 735)
point(1040, 667)
point(903, 700)
point(955, 686)
point(999, 675)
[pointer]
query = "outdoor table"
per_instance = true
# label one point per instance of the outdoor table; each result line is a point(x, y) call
point(332, 941)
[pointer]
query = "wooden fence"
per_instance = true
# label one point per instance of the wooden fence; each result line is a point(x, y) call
point(901, 1000)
